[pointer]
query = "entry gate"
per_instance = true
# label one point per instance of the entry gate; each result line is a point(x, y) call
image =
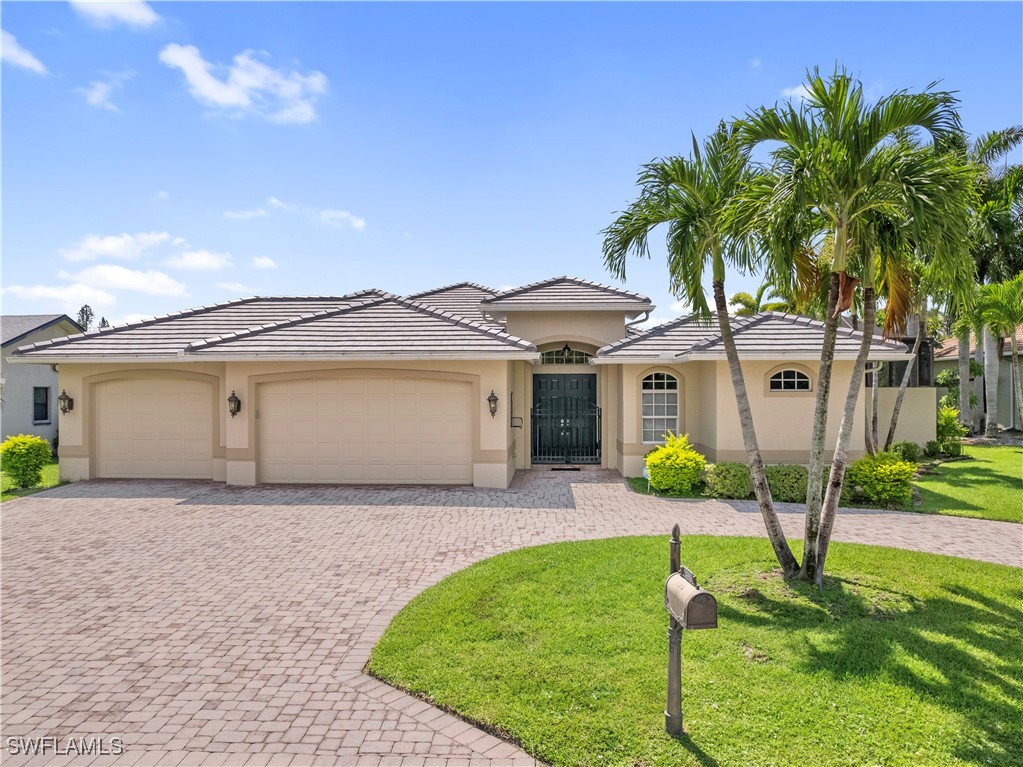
point(566, 430)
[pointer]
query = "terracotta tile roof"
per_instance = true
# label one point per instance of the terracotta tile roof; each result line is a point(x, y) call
point(376, 326)
point(567, 291)
point(949, 348)
point(769, 334)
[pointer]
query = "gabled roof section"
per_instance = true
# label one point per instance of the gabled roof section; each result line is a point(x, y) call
point(377, 327)
point(168, 335)
point(949, 349)
point(462, 299)
point(767, 335)
point(567, 293)
point(14, 327)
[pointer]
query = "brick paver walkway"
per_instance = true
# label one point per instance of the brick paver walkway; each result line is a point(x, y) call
point(203, 624)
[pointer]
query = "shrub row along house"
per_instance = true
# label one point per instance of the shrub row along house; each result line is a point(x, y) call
point(457, 385)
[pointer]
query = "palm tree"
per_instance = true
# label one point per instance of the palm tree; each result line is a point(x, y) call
point(839, 165)
point(689, 196)
point(754, 304)
point(1001, 307)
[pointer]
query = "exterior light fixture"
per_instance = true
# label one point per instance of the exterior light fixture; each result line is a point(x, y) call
point(67, 404)
point(234, 405)
point(492, 399)
point(566, 352)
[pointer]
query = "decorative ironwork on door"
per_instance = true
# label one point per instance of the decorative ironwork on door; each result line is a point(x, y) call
point(566, 429)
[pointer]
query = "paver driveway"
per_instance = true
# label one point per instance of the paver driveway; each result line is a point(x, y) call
point(210, 625)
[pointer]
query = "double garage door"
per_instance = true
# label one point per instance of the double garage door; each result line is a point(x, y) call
point(365, 429)
point(348, 429)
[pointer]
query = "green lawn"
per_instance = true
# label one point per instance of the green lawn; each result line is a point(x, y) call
point(905, 659)
point(50, 479)
point(990, 486)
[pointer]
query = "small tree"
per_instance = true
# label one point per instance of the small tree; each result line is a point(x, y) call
point(85, 316)
point(103, 323)
point(23, 458)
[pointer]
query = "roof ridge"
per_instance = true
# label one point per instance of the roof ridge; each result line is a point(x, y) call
point(742, 322)
point(648, 332)
point(453, 285)
point(565, 278)
point(465, 322)
point(136, 324)
point(373, 296)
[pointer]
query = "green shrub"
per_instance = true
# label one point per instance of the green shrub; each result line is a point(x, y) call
point(788, 482)
point(950, 432)
point(882, 478)
point(932, 448)
point(952, 448)
point(908, 451)
point(23, 458)
point(675, 467)
point(727, 480)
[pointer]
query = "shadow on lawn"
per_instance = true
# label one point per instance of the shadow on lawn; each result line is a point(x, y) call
point(980, 686)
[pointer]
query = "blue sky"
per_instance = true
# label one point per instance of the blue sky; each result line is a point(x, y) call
point(162, 156)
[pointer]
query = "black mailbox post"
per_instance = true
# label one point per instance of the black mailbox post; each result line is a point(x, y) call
point(689, 607)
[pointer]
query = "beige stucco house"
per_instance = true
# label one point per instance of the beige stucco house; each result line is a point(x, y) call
point(947, 358)
point(457, 385)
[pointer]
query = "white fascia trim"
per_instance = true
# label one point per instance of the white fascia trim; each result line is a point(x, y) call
point(885, 356)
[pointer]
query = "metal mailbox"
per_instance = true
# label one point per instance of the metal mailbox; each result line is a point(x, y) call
point(690, 605)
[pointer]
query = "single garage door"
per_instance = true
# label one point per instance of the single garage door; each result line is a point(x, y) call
point(154, 428)
point(374, 430)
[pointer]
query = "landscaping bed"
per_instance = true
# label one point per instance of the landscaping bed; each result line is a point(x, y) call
point(904, 659)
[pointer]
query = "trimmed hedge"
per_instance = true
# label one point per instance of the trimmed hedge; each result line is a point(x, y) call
point(727, 480)
point(882, 478)
point(23, 459)
point(908, 451)
point(676, 466)
point(788, 482)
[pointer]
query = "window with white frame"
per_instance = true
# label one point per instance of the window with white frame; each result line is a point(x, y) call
point(790, 380)
point(660, 406)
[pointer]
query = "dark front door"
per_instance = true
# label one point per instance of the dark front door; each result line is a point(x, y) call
point(565, 419)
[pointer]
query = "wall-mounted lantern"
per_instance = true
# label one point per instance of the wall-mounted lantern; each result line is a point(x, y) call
point(492, 400)
point(67, 404)
point(566, 353)
point(234, 405)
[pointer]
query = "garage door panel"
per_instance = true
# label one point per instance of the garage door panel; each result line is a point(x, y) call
point(366, 429)
point(154, 428)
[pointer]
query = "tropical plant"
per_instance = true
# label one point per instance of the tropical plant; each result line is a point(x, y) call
point(844, 168)
point(690, 197)
point(1001, 308)
point(754, 304)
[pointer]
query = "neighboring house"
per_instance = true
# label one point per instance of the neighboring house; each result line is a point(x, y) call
point(458, 385)
point(30, 391)
point(947, 358)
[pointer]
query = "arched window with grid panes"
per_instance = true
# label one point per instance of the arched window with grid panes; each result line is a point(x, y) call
point(660, 406)
point(788, 380)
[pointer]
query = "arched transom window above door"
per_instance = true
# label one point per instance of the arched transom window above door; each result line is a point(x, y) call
point(789, 380)
point(660, 406)
point(566, 355)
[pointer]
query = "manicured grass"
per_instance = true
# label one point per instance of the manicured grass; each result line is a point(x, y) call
point(50, 479)
point(990, 486)
point(904, 659)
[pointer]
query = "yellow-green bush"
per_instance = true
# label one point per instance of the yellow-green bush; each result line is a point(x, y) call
point(675, 467)
point(727, 480)
point(23, 458)
point(882, 478)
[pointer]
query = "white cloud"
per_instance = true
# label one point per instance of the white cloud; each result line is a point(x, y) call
point(12, 53)
point(233, 287)
point(799, 92)
point(342, 218)
point(680, 307)
point(163, 195)
point(264, 262)
point(103, 13)
point(114, 277)
point(99, 93)
point(248, 86)
point(129, 318)
point(278, 203)
point(123, 246)
point(755, 64)
point(245, 214)
point(200, 261)
point(67, 297)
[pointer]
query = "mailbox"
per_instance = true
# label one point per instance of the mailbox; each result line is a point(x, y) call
point(690, 605)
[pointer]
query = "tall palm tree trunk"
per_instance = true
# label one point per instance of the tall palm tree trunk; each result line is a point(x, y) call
point(991, 362)
point(978, 383)
point(964, 379)
point(1017, 379)
point(906, 377)
point(776, 535)
point(875, 388)
point(814, 489)
point(841, 459)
